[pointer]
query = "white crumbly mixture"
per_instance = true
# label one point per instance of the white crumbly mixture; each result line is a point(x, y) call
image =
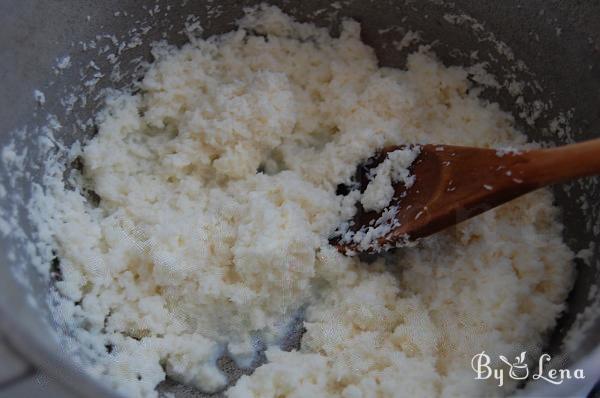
point(192, 251)
point(394, 169)
point(377, 197)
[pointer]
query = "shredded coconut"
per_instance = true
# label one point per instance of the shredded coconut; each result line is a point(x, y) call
point(39, 97)
point(216, 186)
point(63, 62)
point(394, 169)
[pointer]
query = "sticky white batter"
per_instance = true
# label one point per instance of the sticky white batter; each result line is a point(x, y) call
point(193, 251)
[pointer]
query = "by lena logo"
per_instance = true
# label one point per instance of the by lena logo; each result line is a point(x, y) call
point(519, 370)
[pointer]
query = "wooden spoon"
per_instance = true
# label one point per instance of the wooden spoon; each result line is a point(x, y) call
point(454, 183)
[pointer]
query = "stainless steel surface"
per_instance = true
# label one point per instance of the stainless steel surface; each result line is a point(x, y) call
point(12, 366)
point(35, 385)
point(558, 40)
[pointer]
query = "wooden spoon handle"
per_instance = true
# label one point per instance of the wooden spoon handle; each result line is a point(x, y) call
point(555, 165)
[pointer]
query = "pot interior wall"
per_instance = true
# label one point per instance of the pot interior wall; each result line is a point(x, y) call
point(557, 41)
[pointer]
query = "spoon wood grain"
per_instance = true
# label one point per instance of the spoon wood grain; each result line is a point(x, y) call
point(454, 183)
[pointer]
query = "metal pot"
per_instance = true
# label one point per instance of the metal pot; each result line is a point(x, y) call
point(558, 43)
